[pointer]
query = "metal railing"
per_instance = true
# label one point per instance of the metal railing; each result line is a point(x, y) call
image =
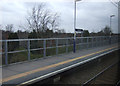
point(18, 50)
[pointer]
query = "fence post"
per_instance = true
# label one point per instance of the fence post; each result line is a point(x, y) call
point(116, 39)
point(56, 46)
point(87, 42)
point(6, 52)
point(66, 45)
point(28, 50)
point(92, 41)
point(100, 41)
point(112, 39)
point(81, 43)
point(97, 41)
point(44, 47)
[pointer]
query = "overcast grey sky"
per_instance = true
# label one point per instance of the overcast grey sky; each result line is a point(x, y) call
point(92, 15)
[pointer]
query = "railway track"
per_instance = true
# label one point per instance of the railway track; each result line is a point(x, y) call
point(108, 76)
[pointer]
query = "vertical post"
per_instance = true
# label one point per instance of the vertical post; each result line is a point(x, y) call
point(100, 41)
point(106, 40)
point(28, 50)
point(95, 41)
point(90, 44)
point(116, 39)
point(66, 45)
point(81, 43)
point(92, 41)
point(44, 47)
point(6, 52)
point(109, 40)
point(112, 40)
point(74, 44)
point(87, 42)
point(56, 46)
point(110, 24)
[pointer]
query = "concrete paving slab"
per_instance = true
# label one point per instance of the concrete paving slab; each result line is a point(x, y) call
point(6, 72)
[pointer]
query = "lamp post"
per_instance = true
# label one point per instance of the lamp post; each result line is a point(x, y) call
point(110, 27)
point(111, 22)
point(74, 44)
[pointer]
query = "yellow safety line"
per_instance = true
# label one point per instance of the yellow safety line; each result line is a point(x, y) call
point(50, 66)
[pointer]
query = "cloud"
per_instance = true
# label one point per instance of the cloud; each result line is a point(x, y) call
point(91, 15)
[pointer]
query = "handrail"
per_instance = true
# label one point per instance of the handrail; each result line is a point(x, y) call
point(53, 38)
point(65, 43)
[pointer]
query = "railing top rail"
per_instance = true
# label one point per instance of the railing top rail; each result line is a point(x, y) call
point(35, 39)
point(50, 38)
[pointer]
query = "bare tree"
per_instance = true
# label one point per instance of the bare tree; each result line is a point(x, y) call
point(41, 19)
point(38, 18)
point(54, 21)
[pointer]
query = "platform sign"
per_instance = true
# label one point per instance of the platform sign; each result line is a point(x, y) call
point(79, 30)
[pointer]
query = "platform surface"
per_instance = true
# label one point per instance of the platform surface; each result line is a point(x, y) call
point(26, 71)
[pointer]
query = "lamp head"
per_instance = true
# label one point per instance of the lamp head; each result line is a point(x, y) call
point(112, 15)
point(77, 0)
